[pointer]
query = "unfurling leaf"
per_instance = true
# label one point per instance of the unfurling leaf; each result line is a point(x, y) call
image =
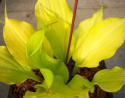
point(10, 70)
point(110, 80)
point(48, 79)
point(100, 42)
point(47, 47)
point(38, 58)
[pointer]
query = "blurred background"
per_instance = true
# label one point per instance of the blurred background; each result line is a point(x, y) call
point(24, 10)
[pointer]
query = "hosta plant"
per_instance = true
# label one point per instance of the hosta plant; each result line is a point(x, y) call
point(94, 40)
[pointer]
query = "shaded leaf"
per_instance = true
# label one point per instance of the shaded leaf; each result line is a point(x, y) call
point(75, 89)
point(48, 78)
point(47, 47)
point(38, 58)
point(59, 38)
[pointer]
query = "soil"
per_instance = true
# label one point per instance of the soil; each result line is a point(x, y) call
point(19, 90)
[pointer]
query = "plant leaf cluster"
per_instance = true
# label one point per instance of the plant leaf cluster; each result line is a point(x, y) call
point(95, 39)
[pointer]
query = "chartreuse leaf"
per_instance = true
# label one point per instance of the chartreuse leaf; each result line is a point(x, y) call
point(110, 80)
point(58, 32)
point(37, 40)
point(59, 7)
point(48, 78)
point(101, 42)
point(77, 84)
point(39, 94)
point(58, 38)
point(10, 70)
point(16, 34)
point(88, 23)
point(74, 89)
point(38, 58)
point(47, 47)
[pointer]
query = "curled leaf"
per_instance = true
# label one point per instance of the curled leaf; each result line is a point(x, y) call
point(47, 47)
point(110, 80)
point(38, 58)
point(48, 79)
point(48, 12)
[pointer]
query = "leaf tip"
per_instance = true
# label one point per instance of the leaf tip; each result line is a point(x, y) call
point(6, 17)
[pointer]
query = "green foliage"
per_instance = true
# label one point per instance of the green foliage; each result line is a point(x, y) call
point(88, 23)
point(94, 40)
point(109, 35)
point(57, 13)
point(110, 80)
point(44, 10)
point(10, 69)
point(38, 58)
point(75, 88)
point(16, 34)
point(49, 78)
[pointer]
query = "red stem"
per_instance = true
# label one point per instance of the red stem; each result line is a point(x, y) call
point(71, 32)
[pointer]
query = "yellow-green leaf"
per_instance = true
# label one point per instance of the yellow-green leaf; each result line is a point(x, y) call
point(110, 80)
point(38, 58)
point(11, 72)
point(16, 34)
point(48, 79)
point(74, 89)
point(47, 47)
point(59, 7)
point(37, 40)
point(58, 34)
point(101, 42)
point(39, 94)
point(88, 23)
